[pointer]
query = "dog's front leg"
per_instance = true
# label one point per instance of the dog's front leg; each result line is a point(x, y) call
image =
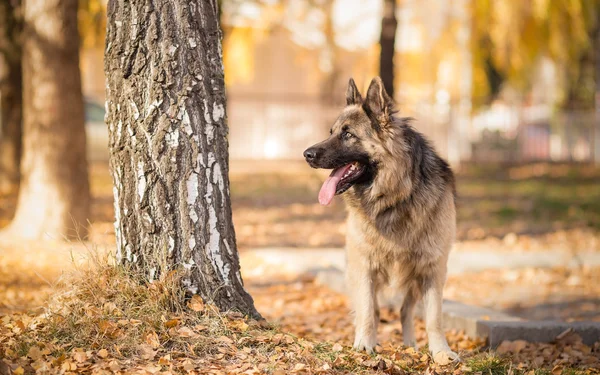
point(432, 300)
point(362, 291)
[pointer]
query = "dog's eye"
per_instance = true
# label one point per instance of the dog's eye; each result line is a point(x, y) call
point(347, 135)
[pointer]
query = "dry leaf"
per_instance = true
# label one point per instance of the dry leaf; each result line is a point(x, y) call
point(337, 347)
point(80, 357)
point(102, 353)
point(442, 358)
point(152, 340)
point(196, 303)
point(34, 353)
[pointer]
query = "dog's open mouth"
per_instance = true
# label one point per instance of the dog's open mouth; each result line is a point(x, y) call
point(340, 180)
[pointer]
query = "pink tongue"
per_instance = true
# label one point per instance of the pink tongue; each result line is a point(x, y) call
point(329, 186)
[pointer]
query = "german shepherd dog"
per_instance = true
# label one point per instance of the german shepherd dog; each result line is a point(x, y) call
point(401, 213)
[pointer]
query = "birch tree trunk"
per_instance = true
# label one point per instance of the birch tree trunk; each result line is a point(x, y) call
point(54, 194)
point(10, 94)
point(168, 145)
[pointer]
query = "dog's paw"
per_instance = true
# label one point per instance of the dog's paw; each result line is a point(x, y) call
point(445, 357)
point(365, 343)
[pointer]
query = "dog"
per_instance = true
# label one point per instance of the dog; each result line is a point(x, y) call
point(400, 198)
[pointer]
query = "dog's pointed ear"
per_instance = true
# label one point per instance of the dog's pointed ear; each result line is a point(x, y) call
point(352, 94)
point(378, 105)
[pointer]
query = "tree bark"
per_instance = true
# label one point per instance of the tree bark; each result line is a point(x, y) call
point(168, 145)
point(54, 197)
point(10, 95)
point(387, 41)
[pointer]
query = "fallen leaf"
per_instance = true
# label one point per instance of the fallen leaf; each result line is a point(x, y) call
point(171, 323)
point(102, 353)
point(196, 303)
point(34, 353)
point(442, 358)
point(337, 347)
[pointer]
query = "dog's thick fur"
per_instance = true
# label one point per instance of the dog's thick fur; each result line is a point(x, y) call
point(401, 214)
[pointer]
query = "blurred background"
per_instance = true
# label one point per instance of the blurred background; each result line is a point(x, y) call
point(507, 90)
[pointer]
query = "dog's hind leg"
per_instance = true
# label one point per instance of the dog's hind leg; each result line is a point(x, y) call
point(432, 303)
point(407, 313)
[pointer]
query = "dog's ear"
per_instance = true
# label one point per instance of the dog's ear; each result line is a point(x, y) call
point(352, 94)
point(378, 105)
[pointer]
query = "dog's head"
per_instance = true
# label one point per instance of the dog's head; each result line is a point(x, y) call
point(356, 141)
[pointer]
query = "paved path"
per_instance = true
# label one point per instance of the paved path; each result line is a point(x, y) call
point(294, 260)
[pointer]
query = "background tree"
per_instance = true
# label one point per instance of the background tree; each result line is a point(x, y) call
point(510, 37)
point(54, 196)
point(168, 142)
point(10, 94)
point(387, 41)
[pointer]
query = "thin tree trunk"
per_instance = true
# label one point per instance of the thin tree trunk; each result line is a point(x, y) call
point(168, 145)
point(54, 197)
point(387, 41)
point(10, 95)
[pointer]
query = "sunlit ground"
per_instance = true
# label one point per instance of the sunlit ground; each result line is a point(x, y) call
point(526, 209)
point(529, 208)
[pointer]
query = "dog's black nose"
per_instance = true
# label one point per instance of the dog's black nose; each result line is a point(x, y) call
point(310, 154)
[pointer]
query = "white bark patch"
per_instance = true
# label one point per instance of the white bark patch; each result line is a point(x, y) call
point(212, 248)
point(192, 243)
point(152, 107)
point(192, 42)
point(186, 123)
point(152, 273)
point(119, 130)
point(118, 236)
point(192, 188)
point(171, 245)
point(217, 179)
point(218, 112)
point(172, 50)
point(128, 253)
point(136, 112)
point(141, 180)
point(134, 23)
point(172, 138)
point(208, 130)
point(228, 247)
point(193, 216)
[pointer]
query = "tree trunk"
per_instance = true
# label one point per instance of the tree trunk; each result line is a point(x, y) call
point(387, 40)
point(54, 197)
point(168, 146)
point(10, 95)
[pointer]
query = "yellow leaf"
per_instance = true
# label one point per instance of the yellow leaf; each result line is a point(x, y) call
point(19, 371)
point(102, 353)
point(240, 325)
